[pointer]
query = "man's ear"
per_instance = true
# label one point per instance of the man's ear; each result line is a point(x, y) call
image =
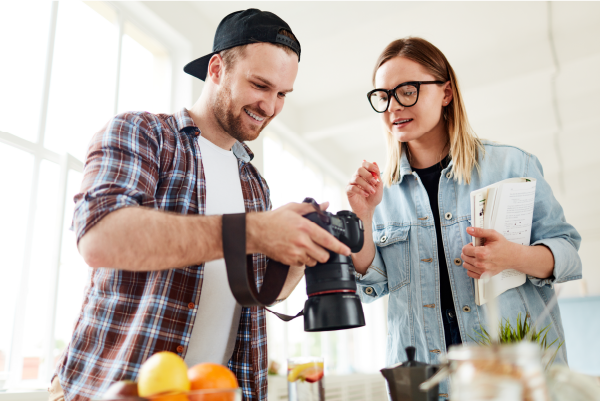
point(215, 70)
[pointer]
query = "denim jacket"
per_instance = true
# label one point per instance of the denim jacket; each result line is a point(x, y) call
point(406, 261)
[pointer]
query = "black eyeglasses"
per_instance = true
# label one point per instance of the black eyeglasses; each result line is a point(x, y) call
point(406, 94)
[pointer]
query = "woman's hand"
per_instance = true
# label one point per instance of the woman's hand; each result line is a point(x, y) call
point(497, 254)
point(364, 191)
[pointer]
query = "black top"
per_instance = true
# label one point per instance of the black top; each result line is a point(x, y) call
point(430, 178)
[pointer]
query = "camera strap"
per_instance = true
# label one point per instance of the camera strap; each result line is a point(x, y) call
point(240, 271)
point(285, 318)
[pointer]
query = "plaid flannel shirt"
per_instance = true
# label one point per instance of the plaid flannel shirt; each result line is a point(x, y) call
point(143, 159)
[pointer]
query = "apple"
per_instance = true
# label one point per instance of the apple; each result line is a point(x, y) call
point(122, 389)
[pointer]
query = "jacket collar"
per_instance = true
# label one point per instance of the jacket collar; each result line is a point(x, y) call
point(406, 169)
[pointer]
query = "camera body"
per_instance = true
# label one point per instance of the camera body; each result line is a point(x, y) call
point(333, 303)
point(344, 225)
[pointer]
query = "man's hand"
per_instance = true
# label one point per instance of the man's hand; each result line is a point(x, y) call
point(497, 254)
point(285, 235)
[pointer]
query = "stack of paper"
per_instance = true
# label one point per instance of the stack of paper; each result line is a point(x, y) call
point(506, 207)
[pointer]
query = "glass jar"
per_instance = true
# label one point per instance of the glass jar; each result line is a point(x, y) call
point(497, 372)
point(305, 379)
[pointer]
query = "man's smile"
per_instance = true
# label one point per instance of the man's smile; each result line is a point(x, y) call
point(254, 116)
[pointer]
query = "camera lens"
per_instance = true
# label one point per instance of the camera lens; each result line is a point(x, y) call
point(333, 312)
point(333, 303)
point(332, 277)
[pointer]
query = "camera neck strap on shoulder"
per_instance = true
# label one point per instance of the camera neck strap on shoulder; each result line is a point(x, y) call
point(240, 270)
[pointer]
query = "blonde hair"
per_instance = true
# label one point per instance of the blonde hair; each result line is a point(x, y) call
point(464, 145)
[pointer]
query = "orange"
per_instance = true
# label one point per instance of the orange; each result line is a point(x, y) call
point(170, 397)
point(164, 372)
point(205, 376)
point(211, 376)
point(218, 396)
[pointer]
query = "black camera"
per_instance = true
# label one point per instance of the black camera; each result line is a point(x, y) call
point(333, 303)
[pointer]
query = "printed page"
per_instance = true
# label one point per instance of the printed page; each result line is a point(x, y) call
point(500, 283)
point(513, 216)
point(512, 212)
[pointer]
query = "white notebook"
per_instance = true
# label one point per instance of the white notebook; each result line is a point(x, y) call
point(507, 207)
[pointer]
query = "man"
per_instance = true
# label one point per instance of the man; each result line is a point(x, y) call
point(149, 216)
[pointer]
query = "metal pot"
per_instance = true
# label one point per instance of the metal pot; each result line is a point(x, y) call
point(404, 379)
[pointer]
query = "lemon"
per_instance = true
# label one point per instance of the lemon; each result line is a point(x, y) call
point(303, 370)
point(163, 372)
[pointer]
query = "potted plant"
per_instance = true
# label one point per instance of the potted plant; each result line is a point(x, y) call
point(523, 331)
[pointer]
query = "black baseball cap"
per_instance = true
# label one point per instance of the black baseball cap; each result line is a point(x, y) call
point(241, 28)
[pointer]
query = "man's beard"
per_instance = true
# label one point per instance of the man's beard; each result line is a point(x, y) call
point(234, 126)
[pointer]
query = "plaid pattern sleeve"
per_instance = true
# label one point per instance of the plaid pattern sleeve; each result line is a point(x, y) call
point(143, 159)
point(121, 170)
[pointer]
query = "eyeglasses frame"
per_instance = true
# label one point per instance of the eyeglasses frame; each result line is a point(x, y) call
point(392, 92)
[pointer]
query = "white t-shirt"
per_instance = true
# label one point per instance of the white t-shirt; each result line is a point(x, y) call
point(216, 325)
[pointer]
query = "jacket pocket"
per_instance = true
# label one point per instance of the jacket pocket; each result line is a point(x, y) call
point(393, 244)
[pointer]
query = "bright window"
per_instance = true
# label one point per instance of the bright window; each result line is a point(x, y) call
point(74, 66)
point(82, 88)
point(23, 65)
point(13, 230)
point(145, 71)
point(291, 178)
point(73, 275)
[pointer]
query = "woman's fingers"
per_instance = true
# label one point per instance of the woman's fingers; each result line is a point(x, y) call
point(357, 180)
point(367, 176)
point(473, 275)
point(472, 268)
point(365, 182)
point(468, 258)
point(373, 170)
point(371, 167)
point(469, 250)
point(366, 186)
point(355, 189)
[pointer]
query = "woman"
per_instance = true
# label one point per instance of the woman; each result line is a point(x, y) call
point(419, 212)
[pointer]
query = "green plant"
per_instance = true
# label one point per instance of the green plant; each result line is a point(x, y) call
point(509, 334)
